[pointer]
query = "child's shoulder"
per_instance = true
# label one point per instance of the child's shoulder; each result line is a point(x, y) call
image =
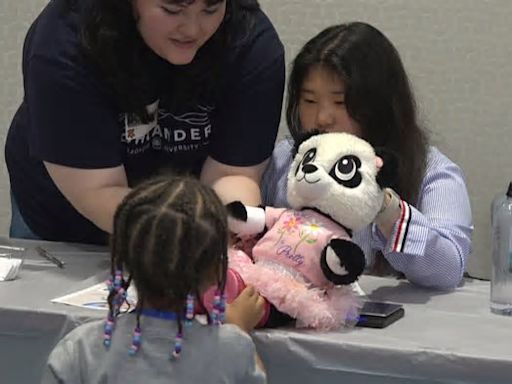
point(85, 336)
point(89, 329)
point(68, 354)
point(227, 333)
point(227, 339)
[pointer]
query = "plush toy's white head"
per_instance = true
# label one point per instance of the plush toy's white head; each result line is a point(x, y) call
point(337, 174)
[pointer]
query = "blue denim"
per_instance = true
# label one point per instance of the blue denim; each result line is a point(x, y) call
point(19, 229)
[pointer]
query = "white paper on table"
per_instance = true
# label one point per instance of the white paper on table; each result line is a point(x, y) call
point(9, 268)
point(95, 297)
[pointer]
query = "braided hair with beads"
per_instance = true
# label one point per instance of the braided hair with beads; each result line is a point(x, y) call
point(170, 238)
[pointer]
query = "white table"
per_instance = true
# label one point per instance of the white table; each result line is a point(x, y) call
point(443, 338)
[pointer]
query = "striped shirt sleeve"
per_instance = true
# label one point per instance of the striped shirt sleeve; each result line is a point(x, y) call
point(430, 244)
point(275, 179)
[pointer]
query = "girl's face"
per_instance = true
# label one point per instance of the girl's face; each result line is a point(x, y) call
point(176, 31)
point(322, 103)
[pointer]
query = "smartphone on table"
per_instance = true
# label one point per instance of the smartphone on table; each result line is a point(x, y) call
point(375, 314)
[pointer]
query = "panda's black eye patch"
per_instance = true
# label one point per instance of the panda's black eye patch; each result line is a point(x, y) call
point(308, 157)
point(346, 171)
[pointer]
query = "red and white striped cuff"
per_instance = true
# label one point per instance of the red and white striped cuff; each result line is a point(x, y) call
point(402, 228)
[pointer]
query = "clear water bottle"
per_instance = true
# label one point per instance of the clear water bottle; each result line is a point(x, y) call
point(496, 203)
point(501, 283)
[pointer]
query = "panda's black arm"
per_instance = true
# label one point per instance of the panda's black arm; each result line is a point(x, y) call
point(349, 256)
point(237, 210)
point(345, 248)
point(246, 220)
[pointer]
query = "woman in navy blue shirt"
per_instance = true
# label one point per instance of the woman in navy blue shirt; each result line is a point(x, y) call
point(118, 91)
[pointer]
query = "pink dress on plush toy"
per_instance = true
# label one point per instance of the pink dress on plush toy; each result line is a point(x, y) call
point(305, 263)
point(287, 272)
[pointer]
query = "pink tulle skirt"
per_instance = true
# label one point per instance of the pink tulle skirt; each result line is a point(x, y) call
point(312, 307)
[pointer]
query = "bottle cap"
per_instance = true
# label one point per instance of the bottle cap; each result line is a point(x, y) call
point(509, 191)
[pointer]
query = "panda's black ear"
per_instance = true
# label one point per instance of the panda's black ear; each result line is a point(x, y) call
point(302, 137)
point(388, 174)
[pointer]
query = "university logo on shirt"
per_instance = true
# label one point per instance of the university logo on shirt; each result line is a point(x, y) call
point(168, 132)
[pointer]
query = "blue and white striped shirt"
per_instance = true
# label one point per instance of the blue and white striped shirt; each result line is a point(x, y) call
point(437, 239)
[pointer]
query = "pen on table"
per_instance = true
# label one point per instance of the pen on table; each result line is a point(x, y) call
point(12, 248)
point(42, 252)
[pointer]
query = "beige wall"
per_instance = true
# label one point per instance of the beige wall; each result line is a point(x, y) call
point(458, 54)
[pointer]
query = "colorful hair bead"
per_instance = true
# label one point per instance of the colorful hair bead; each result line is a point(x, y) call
point(189, 316)
point(136, 341)
point(177, 345)
point(108, 330)
point(219, 307)
point(110, 285)
point(115, 288)
point(222, 309)
point(118, 277)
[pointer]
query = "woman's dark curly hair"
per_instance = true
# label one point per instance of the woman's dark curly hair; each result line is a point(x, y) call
point(112, 42)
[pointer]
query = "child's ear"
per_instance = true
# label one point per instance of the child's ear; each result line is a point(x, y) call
point(388, 173)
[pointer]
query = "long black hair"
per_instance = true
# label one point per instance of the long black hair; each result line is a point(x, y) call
point(112, 42)
point(378, 95)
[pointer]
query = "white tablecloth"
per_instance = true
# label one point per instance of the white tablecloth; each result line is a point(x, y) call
point(443, 338)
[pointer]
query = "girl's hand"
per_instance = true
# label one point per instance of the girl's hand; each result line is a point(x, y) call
point(389, 213)
point(246, 310)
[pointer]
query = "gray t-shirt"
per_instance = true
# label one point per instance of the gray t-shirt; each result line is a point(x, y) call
point(210, 354)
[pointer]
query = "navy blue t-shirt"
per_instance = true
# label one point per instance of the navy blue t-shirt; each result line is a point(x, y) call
point(69, 117)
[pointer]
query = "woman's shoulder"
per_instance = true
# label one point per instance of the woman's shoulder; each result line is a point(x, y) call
point(283, 150)
point(255, 36)
point(55, 34)
point(54, 57)
point(263, 25)
point(437, 161)
point(440, 167)
point(53, 51)
point(282, 158)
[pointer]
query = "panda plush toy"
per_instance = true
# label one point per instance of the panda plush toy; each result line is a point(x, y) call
point(305, 263)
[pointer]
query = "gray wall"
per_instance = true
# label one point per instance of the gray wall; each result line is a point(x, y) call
point(15, 18)
point(457, 53)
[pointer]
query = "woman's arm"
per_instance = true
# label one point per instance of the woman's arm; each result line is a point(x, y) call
point(234, 183)
point(430, 244)
point(95, 193)
point(247, 117)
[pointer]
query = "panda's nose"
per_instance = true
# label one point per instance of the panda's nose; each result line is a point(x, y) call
point(309, 168)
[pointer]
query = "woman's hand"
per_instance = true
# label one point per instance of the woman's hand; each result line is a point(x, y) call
point(389, 213)
point(246, 310)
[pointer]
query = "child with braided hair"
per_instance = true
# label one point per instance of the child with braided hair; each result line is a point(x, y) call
point(170, 239)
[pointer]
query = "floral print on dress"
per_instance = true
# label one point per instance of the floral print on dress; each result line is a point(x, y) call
point(289, 226)
point(308, 234)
